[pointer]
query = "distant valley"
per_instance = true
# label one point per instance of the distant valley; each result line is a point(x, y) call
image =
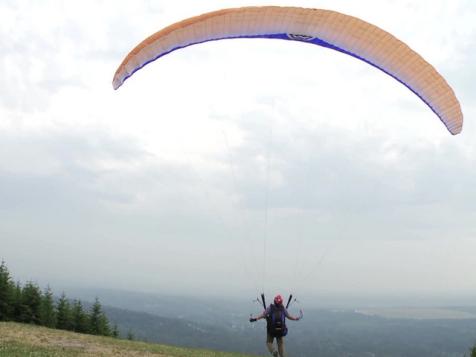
point(222, 325)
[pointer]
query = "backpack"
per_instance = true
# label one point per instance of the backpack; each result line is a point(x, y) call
point(276, 321)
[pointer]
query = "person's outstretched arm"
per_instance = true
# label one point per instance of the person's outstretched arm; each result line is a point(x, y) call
point(293, 318)
point(259, 317)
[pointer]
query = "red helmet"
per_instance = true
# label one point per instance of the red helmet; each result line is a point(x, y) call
point(278, 300)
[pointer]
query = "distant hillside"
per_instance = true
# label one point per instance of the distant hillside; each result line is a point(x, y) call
point(174, 331)
point(27, 340)
point(186, 322)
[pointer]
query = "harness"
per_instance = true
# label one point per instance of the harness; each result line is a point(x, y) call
point(276, 321)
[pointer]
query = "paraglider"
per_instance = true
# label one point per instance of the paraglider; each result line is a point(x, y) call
point(275, 316)
point(326, 28)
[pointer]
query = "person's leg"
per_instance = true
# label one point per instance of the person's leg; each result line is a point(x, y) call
point(269, 344)
point(280, 341)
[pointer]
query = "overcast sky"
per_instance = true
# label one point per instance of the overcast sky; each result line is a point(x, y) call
point(234, 166)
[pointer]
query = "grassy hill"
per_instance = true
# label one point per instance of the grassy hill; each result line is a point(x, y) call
point(29, 340)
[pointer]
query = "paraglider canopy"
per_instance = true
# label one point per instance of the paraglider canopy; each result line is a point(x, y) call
point(326, 28)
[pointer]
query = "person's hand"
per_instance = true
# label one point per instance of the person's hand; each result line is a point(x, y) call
point(252, 319)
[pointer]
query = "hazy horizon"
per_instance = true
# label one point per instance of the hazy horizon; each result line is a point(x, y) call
point(323, 299)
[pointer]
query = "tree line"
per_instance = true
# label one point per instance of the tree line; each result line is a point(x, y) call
point(29, 304)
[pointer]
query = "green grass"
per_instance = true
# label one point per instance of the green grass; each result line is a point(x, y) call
point(29, 340)
point(17, 349)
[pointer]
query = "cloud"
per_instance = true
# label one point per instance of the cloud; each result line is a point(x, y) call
point(202, 158)
point(370, 182)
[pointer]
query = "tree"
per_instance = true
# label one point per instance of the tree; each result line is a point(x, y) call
point(79, 318)
point(115, 331)
point(17, 304)
point(99, 325)
point(31, 302)
point(63, 313)
point(6, 293)
point(105, 327)
point(47, 309)
point(130, 335)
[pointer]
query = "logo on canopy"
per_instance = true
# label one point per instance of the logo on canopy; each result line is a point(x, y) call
point(298, 37)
